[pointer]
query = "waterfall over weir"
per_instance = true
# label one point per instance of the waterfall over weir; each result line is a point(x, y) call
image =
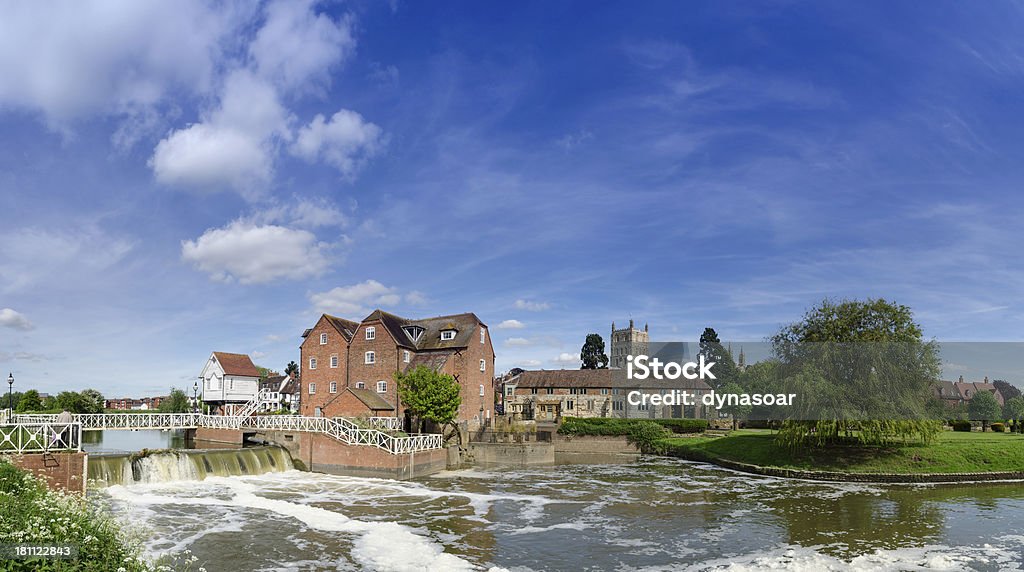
point(185, 465)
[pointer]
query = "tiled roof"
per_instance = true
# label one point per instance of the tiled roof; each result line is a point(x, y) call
point(433, 360)
point(236, 364)
point(465, 326)
point(598, 378)
point(371, 400)
point(346, 327)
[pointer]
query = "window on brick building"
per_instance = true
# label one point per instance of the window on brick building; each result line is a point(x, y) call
point(323, 339)
point(483, 335)
point(406, 356)
point(371, 333)
point(370, 357)
point(312, 389)
point(334, 387)
point(447, 334)
point(360, 385)
point(481, 390)
point(483, 365)
point(382, 386)
point(334, 361)
point(510, 390)
point(533, 391)
point(312, 363)
point(550, 391)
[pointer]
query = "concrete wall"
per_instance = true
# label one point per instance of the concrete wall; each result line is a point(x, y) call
point(324, 454)
point(514, 454)
point(593, 449)
point(231, 436)
point(61, 471)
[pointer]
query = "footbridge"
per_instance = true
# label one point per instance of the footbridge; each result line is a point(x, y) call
point(348, 431)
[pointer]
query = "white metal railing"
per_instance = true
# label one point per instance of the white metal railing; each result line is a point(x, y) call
point(339, 428)
point(385, 423)
point(40, 437)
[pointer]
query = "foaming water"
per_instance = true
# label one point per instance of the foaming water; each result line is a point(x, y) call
point(655, 514)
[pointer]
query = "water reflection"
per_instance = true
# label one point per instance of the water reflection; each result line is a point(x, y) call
point(131, 441)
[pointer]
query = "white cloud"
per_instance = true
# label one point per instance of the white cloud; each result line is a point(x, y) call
point(296, 45)
point(31, 256)
point(89, 57)
point(302, 213)
point(356, 300)
point(511, 325)
point(567, 359)
point(519, 342)
point(15, 320)
point(345, 142)
point(254, 254)
point(529, 363)
point(233, 147)
point(416, 298)
point(532, 306)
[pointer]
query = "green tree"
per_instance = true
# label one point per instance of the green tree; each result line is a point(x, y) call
point(176, 402)
point(592, 354)
point(93, 401)
point(861, 370)
point(430, 395)
point(1014, 409)
point(30, 401)
point(711, 348)
point(737, 411)
point(1006, 389)
point(71, 401)
point(292, 369)
point(983, 407)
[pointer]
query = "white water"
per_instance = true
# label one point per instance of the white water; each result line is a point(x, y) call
point(664, 515)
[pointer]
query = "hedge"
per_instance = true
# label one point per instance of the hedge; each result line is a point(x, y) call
point(961, 425)
point(615, 426)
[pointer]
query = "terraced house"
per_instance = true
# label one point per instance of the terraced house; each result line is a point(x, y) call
point(347, 367)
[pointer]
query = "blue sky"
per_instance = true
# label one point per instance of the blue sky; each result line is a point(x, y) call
point(191, 177)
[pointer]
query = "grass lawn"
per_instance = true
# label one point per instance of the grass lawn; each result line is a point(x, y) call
point(952, 452)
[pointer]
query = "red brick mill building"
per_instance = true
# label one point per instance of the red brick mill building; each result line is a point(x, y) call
point(347, 368)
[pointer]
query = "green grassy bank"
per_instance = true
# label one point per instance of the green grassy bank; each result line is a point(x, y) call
point(952, 452)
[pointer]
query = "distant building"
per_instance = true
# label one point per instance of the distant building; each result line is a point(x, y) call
point(229, 382)
point(347, 368)
point(626, 342)
point(271, 386)
point(290, 395)
point(956, 393)
point(133, 404)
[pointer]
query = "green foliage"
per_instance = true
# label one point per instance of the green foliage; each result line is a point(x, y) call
point(1014, 409)
point(1006, 389)
point(861, 372)
point(998, 427)
point(713, 351)
point(292, 369)
point(429, 395)
point(737, 411)
point(592, 354)
point(30, 401)
point(32, 514)
point(620, 427)
point(983, 407)
point(176, 402)
point(645, 435)
point(961, 425)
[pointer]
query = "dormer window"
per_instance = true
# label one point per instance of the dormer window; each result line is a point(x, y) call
point(371, 333)
point(447, 335)
point(414, 332)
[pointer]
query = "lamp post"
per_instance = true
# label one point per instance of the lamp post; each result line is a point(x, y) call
point(195, 397)
point(10, 391)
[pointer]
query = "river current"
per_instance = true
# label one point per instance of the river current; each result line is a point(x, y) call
point(653, 514)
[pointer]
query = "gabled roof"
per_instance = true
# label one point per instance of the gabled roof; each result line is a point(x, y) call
point(371, 400)
point(345, 327)
point(433, 360)
point(236, 364)
point(569, 378)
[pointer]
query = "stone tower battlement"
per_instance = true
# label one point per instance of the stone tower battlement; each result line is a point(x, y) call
point(627, 341)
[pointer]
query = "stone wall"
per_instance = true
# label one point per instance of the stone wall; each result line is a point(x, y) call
point(61, 471)
point(590, 449)
point(514, 454)
point(324, 454)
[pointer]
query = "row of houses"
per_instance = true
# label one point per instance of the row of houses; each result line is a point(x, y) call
point(134, 404)
point(954, 394)
point(347, 368)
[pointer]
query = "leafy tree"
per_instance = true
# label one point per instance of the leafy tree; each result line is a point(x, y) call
point(1014, 409)
point(711, 348)
point(292, 369)
point(30, 401)
point(70, 401)
point(983, 407)
point(592, 354)
point(12, 399)
point(710, 336)
point(1006, 389)
point(264, 372)
point(176, 402)
point(737, 411)
point(861, 370)
point(92, 401)
point(430, 395)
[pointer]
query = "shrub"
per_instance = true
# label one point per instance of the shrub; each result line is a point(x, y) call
point(998, 427)
point(684, 425)
point(615, 426)
point(645, 435)
point(961, 425)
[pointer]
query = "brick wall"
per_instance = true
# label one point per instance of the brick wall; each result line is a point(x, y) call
point(324, 454)
point(387, 360)
point(61, 471)
point(324, 374)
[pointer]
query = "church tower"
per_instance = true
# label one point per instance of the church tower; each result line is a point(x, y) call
point(625, 342)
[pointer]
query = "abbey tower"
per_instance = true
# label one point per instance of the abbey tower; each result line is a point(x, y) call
point(627, 341)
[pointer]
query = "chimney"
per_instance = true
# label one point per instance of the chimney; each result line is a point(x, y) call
point(961, 379)
point(986, 379)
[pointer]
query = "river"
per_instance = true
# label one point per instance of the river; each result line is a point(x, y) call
point(654, 514)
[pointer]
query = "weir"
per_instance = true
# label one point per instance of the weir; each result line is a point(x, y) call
point(184, 465)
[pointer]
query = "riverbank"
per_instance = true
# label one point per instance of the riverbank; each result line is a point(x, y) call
point(953, 457)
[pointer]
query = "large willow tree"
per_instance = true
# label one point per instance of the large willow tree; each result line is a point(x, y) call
point(861, 371)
